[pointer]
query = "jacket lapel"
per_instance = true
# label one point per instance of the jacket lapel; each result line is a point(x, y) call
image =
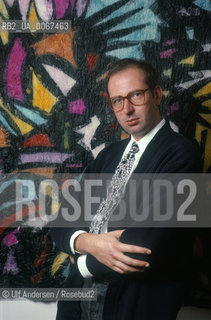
point(117, 155)
point(148, 158)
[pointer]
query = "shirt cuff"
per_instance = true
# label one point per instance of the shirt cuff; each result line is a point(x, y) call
point(72, 240)
point(81, 262)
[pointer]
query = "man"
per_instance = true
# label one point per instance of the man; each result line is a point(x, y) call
point(144, 268)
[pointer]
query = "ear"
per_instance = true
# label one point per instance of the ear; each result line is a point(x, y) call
point(158, 95)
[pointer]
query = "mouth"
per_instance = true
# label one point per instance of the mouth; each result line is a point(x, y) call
point(132, 122)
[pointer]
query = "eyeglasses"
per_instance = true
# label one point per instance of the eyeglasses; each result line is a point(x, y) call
point(136, 97)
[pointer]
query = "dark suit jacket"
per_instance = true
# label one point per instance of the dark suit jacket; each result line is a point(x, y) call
point(157, 293)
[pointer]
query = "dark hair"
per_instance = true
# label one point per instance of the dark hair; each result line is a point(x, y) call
point(151, 75)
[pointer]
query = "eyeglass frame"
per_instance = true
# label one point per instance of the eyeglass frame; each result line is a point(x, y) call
point(128, 98)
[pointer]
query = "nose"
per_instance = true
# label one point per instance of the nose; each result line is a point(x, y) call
point(128, 106)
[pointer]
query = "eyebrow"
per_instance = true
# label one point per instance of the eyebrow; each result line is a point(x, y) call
point(127, 93)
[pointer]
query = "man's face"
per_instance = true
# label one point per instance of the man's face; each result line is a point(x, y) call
point(135, 120)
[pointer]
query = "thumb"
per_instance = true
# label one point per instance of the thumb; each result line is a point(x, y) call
point(117, 233)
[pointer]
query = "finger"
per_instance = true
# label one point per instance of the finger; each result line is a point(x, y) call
point(124, 268)
point(116, 269)
point(133, 249)
point(133, 262)
point(72, 260)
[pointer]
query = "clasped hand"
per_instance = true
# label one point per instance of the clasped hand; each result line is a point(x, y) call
point(108, 249)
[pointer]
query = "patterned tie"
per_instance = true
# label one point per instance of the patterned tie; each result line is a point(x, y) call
point(115, 190)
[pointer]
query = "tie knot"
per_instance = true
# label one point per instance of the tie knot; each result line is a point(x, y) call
point(134, 148)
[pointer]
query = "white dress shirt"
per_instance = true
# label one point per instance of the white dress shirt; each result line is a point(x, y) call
point(142, 144)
